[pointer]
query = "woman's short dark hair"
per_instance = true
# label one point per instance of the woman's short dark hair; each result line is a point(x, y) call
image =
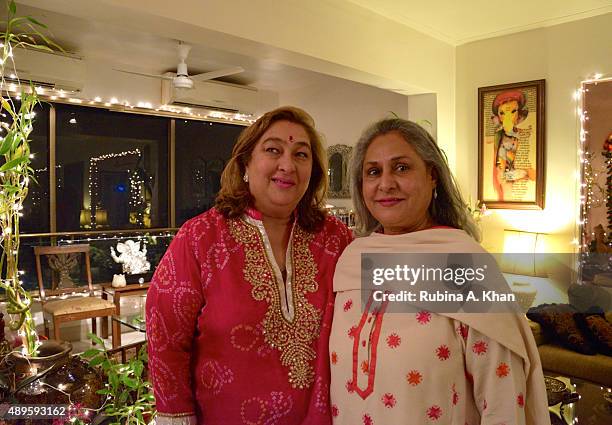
point(234, 197)
point(447, 209)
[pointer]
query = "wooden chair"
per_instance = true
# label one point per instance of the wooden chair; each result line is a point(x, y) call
point(60, 260)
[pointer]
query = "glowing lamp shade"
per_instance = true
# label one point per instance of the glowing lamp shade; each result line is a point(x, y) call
point(101, 217)
point(85, 218)
point(523, 256)
point(520, 249)
point(519, 242)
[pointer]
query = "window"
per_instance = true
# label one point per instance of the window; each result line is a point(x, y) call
point(112, 170)
point(202, 150)
point(103, 266)
point(35, 217)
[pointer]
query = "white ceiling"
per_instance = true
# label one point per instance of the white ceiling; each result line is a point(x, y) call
point(452, 21)
point(458, 22)
point(123, 48)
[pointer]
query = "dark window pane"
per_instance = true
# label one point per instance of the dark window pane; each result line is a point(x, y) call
point(35, 211)
point(112, 169)
point(27, 262)
point(202, 150)
point(102, 264)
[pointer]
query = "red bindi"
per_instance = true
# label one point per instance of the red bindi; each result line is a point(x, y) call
point(291, 138)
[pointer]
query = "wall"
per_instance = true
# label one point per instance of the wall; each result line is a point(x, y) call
point(563, 55)
point(343, 109)
point(422, 109)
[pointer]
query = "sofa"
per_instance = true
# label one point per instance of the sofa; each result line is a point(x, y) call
point(557, 360)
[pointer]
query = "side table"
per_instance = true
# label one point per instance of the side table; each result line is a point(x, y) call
point(116, 294)
point(591, 409)
point(136, 323)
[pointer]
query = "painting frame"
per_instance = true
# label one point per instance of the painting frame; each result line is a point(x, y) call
point(338, 178)
point(511, 145)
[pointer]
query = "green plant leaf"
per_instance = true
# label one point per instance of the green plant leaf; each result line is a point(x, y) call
point(113, 380)
point(143, 354)
point(6, 143)
point(96, 361)
point(91, 353)
point(39, 47)
point(10, 189)
point(424, 121)
point(16, 22)
point(106, 364)
point(95, 338)
point(35, 22)
point(7, 106)
point(148, 397)
point(13, 163)
point(12, 7)
point(129, 381)
point(137, 367)
point(17, 140)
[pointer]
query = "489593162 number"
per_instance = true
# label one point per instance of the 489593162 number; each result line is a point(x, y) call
point(33, 411)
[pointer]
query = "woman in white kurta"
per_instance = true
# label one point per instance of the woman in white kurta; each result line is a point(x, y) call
point(422, 367)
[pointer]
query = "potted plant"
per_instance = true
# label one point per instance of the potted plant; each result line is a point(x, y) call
point(15, 171)
point(129, 395)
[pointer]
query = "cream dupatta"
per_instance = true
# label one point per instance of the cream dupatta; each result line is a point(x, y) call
point(508, 329)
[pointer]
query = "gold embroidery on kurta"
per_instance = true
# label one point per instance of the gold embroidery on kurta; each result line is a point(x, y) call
point(293, 339)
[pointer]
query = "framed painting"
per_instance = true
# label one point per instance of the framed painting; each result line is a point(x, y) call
point(338, 157)
point(511, 131)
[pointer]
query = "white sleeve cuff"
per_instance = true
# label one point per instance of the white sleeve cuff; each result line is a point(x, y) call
point(162, 419)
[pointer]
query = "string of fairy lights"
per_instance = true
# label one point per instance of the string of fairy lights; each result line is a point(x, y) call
point(93, 177)
point(54, 94)
point(137, 189)
point(593, 194)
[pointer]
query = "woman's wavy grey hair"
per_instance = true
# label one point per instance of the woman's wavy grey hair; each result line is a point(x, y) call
point(447, 209)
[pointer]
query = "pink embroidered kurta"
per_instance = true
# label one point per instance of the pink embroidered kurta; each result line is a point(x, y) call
point(427, 368)
point(231, 341)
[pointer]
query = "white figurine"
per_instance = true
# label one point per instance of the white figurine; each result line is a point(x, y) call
point(132, 258)
point(118, 281)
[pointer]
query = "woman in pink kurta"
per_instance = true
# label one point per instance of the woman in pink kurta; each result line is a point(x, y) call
point(240, 307)
point(391, 368)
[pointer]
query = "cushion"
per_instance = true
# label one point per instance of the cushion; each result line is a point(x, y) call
point(538, 332)
point(597, 329)
point(76, 305)
point(558, 320)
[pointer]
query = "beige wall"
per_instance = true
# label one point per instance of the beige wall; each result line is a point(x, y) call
point(343, 109)
point(422, 109)
point(563, 55)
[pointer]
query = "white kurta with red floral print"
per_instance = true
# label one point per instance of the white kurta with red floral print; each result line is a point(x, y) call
point(390, 368)
point(423, 368)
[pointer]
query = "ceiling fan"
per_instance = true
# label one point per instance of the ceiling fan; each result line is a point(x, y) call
point(181, 79)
